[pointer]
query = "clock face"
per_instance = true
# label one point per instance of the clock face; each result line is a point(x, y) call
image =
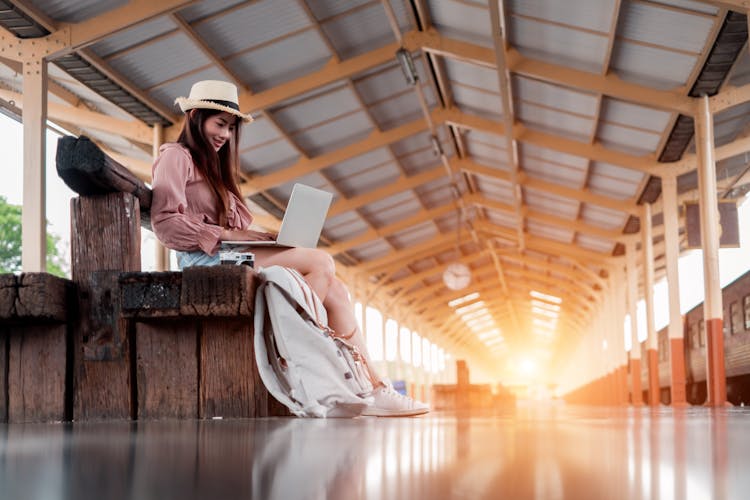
point(456, 276)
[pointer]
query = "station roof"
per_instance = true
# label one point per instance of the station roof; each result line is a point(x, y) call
point(520, 138)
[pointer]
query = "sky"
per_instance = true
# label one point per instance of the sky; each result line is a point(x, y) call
point(732, 261)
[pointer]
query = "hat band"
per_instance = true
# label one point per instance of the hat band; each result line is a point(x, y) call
point(228, 104)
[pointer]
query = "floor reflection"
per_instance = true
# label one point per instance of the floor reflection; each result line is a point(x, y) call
point(535, 451)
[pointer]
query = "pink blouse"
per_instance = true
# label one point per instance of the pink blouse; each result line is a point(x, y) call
point(184, 215)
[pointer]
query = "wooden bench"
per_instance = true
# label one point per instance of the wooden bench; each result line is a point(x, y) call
point(141, 345)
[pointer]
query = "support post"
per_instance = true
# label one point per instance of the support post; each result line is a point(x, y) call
point(647, 245)
point(105, 240)
point(709, 223)
point(621, 302)
point(635, 350)
point(675, 328)
point(612, 345)
point(33, 218)
point(162, 252)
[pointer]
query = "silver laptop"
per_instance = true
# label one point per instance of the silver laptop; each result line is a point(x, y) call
point(302, 223)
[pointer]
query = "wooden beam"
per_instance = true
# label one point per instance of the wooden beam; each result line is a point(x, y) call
point(572, 224)
point(398, 185)
point(646, 164)
point(33, 212)
point(78, 35)
point(332, 72)
point(395, 258)
point(390, 229)
point(548, 246)
point(572, 289)
point(133, 130)
point(432, 41)
point(208, 51)
point(304, 166)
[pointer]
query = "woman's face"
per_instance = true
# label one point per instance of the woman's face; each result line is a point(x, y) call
point(218, 128)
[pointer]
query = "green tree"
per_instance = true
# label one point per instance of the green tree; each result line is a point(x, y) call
point(10, 242)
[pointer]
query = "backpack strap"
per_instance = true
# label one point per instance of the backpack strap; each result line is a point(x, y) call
point(311, 298)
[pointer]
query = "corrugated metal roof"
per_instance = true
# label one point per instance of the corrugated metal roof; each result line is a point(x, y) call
point(324, 95)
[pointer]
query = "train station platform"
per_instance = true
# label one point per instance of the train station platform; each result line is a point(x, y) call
point(541, 451)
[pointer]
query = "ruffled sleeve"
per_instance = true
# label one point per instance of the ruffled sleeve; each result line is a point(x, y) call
point(174, 225)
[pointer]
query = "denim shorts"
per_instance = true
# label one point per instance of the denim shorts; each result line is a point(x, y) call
point(188, 259)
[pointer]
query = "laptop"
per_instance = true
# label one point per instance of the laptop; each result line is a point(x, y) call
point(302, 223)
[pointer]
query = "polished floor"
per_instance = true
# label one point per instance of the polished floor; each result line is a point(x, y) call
point(536, 451)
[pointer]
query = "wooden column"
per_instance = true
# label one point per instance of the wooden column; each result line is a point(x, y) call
point(652, 342)
point(605, 346)
point(399, 357)
point(675, 328)
point(635, 350)
point(621, 302)
point(33, 218)
point(162, 252)
point(612, 342)
point(105, 240)
point(709, 222)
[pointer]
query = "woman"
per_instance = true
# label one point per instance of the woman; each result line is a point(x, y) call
point(197, 204)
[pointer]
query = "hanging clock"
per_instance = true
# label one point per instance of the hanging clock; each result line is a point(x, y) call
point(457, 276)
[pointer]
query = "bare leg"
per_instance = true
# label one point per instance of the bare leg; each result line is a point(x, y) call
point(316, 266)
point(341, 318)
point(319, 270)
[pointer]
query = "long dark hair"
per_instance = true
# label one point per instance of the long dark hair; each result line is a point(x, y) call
point(220, 168)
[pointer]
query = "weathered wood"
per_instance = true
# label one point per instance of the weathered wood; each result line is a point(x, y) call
point(43, 296)
point(227, 385)
point(275, 408)
point(218, 291)
point(8, 294)
point(105, 237)
point(87, 170)
point(4, 335)
point(167, 369)
point(150, 295)
point(36, 379)
point(39, 296)
point(101, 327)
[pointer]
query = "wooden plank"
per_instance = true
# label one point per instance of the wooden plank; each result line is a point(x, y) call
point(36, 382)
point(3, 374)
point(43, 296)
point(218, 291)
point(227, 385)
point(150, 295)
point(104, 235)
point(167, 369)
point(88, 171)
point(105, 238)
point(8, 293)
point(34, 295)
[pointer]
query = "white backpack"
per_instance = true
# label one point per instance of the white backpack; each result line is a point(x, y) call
point(302, 365)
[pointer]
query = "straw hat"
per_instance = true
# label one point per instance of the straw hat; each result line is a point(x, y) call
point(213, 94)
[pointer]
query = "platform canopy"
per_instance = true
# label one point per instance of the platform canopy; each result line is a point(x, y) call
point(520, 138)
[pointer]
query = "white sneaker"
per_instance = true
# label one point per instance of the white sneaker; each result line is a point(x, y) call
point(389, 403)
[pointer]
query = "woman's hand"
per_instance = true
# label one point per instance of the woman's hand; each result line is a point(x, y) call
point(246, 235)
